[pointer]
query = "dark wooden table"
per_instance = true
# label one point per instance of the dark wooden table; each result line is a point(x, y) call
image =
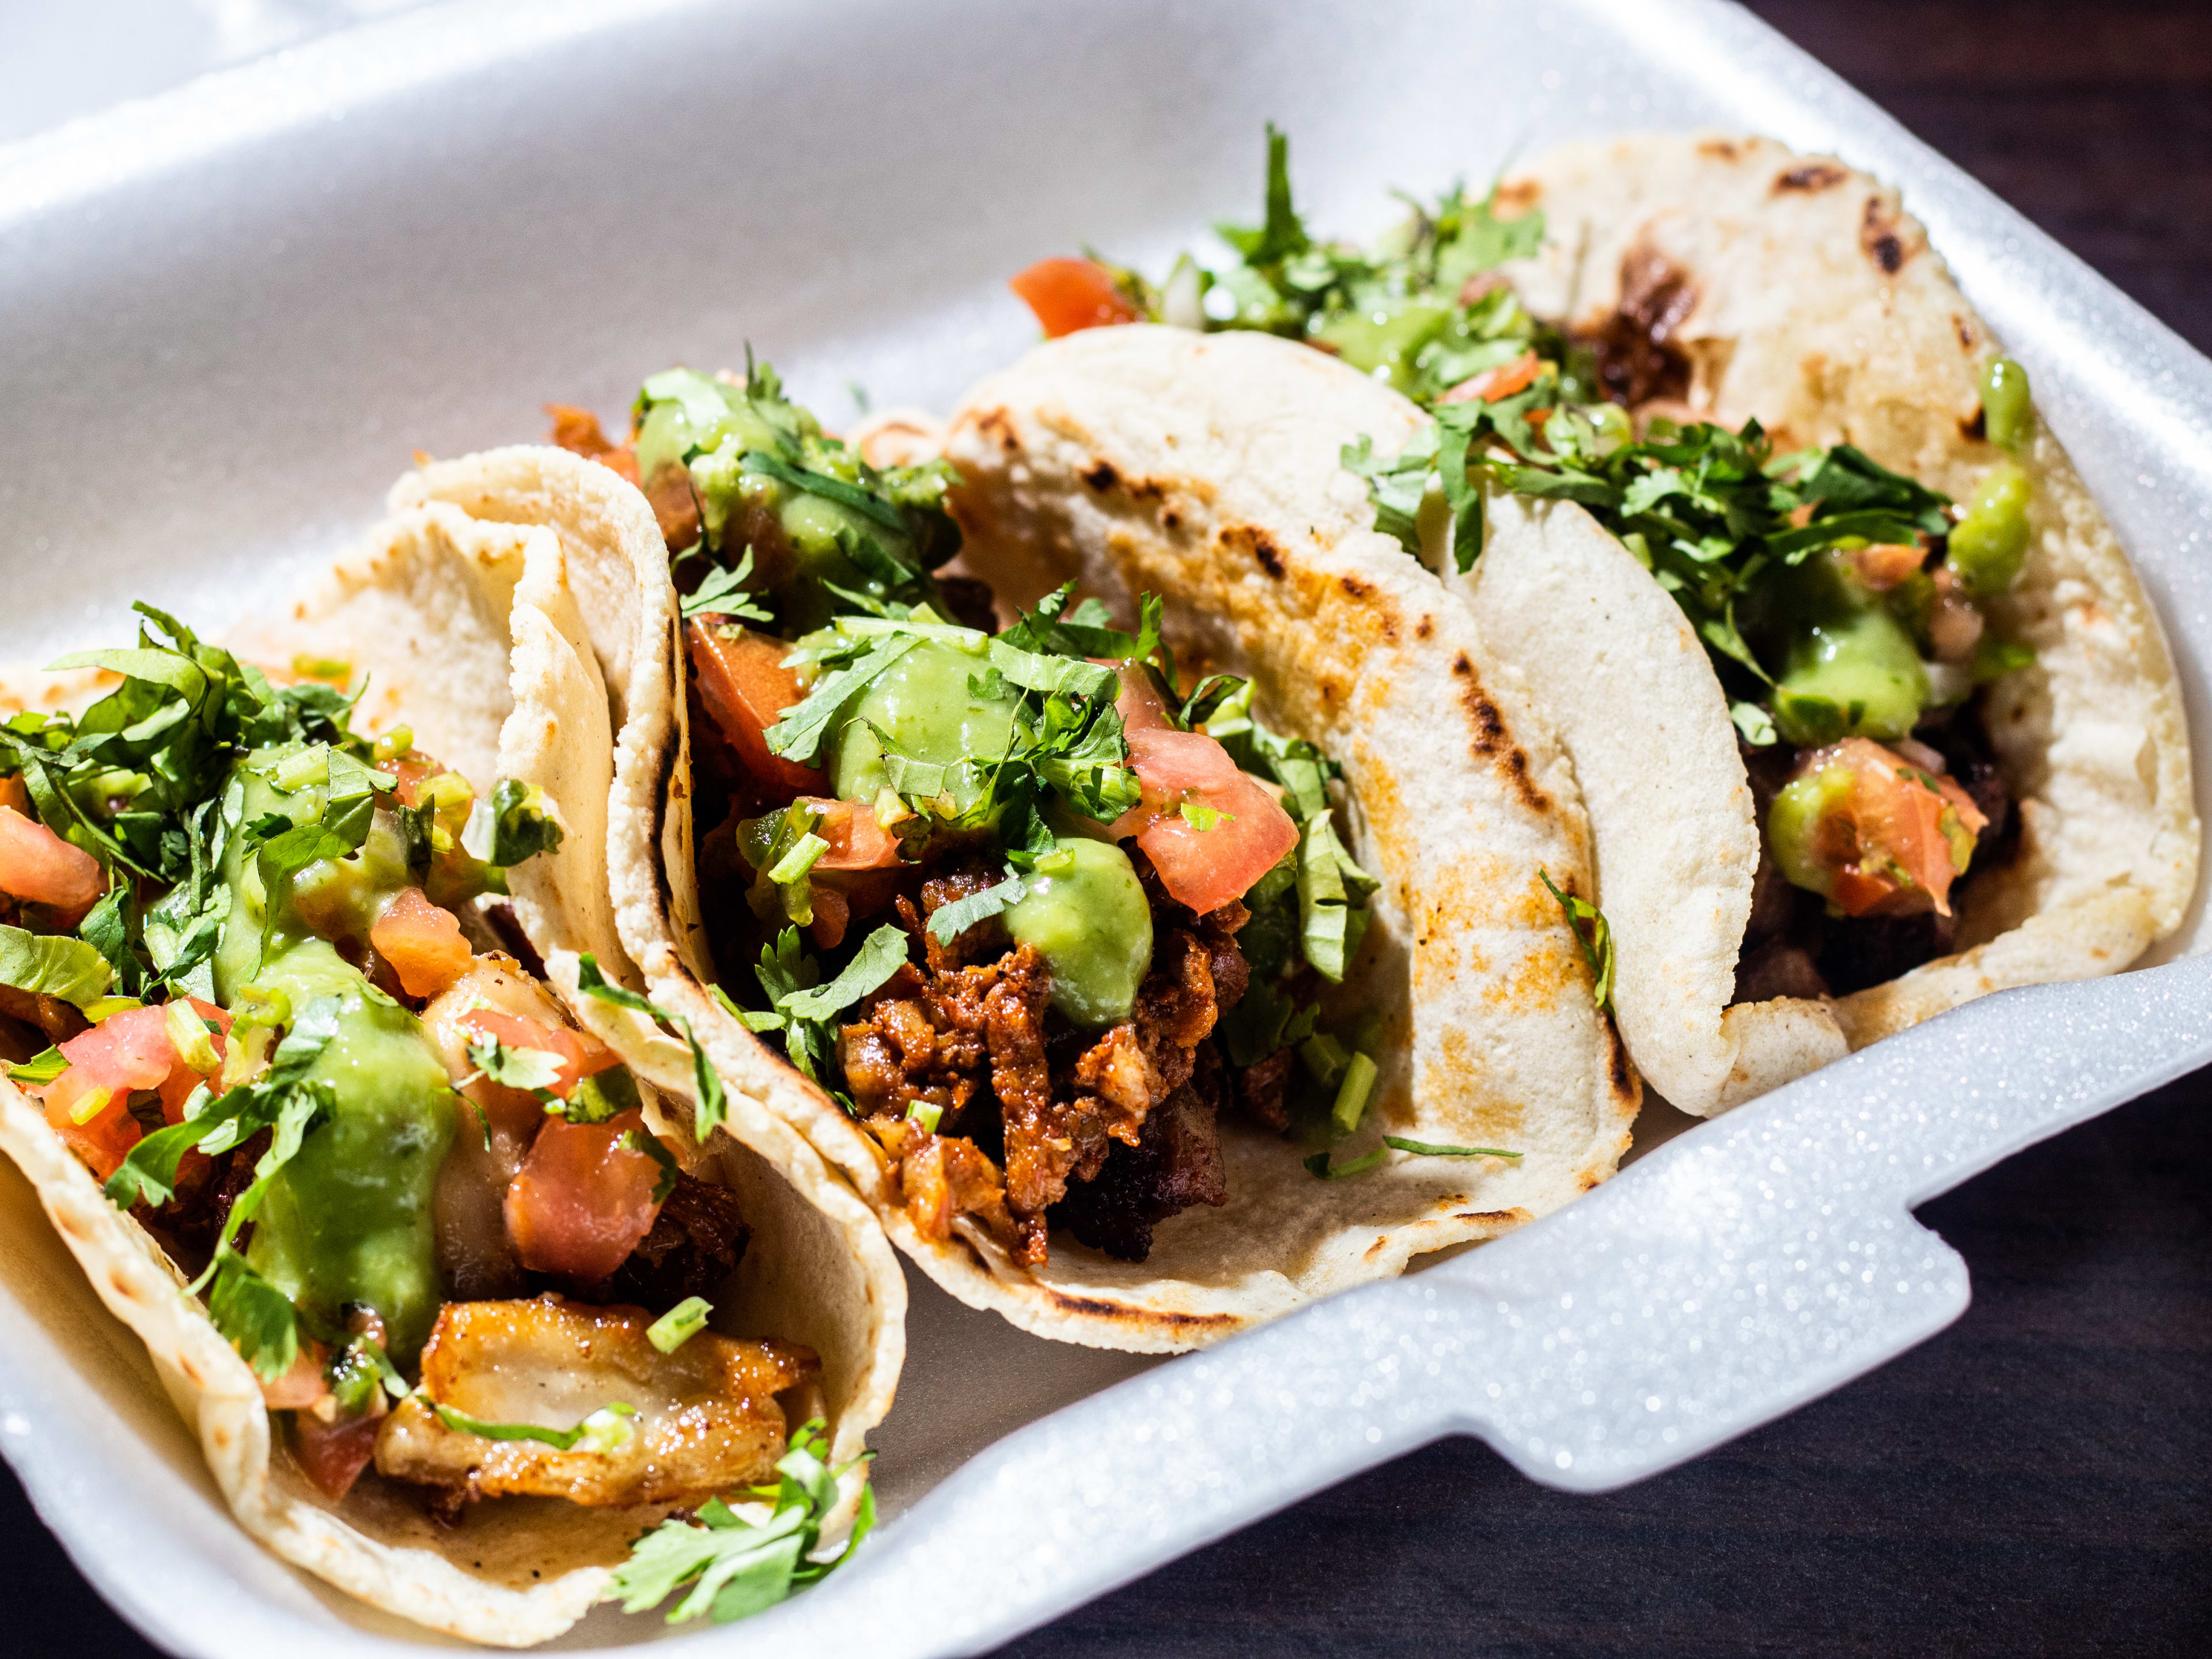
point(2038, 1479)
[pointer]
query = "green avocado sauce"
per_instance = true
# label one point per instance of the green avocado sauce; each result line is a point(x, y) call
point(1084, 913)
point(1850, 669)
point(800, 538)
point(348, 1218)
point(925, 702)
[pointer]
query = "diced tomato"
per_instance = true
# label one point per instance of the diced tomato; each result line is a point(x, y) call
point(1493, 384)
point(857, 841)
point(1897, 838)
point(129, 1051)
point(581, 1053)
point(333, 1454)
point(423, 943)
point(38, 865)
point(1139, 705)
point(582, 1200)
point(746, 688)
point(14, 795)
point(302, 1385)
point(413, 768)
point(1882, 565)
point(1246, 830)
point(1070, 294)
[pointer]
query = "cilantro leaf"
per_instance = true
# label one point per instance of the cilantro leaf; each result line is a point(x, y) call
point(51, 964)
point(733, 1567)
point(882, 954)
point(523, 823)
point(530, 1070)
point(722, 593)
point(799, 734)
point(955, 919)
point(606, 1430)
point(1594, 934)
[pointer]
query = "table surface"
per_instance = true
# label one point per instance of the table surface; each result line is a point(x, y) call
point(2037, 1480)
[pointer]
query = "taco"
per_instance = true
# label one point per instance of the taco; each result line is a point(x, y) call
point(1112, 948)
point(427, 1266)
point(1870, 713)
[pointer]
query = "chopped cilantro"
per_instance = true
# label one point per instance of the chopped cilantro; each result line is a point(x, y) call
point(1594, 934)
point(606, 1430)
point(734, 1567)
point(523, 823)
point(679, 1324)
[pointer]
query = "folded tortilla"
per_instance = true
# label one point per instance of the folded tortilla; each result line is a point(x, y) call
point(1801, 293)
point(473, 630)
point(1103, 458)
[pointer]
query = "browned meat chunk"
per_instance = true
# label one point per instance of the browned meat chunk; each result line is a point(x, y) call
point(698, 1238)
point(1175, 1164)
point(942, 1177)
point(706, 1416)
point(968, 602)
point(577, 431)
point(971, 1030)
point(1777, 968)
point(1261, 1090)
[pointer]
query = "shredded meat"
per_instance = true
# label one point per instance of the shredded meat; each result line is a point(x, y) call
point(577, 431)
point(942, 1177)
point(206, 1188)
point(969, 602)
point(1261, 1090)
point(970, 1029)
point(1637, 359)
point(697, 1239)
point(1174, 1164)
point(55, 1020)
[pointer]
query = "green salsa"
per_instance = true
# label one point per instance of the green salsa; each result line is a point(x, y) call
point(348, 1219)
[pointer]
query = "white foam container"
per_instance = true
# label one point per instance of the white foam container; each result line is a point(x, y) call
point(228, 314)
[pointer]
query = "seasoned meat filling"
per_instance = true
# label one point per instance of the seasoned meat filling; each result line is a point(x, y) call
point(707, 1417)
point(975, 1041)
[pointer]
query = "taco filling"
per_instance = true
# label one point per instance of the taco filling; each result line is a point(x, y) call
point(248, 981)
point(1847, 609)
point(1033, 904)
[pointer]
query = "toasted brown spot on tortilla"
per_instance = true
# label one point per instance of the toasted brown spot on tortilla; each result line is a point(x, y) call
point(1158, 1319)
point(1492, 742)
point(1879, 239)
point(1170, 519)
point(1256, 542)
point(1423, 629)
point(1519, 195)
point(1587, 1179)
point(997, 426)
point(1722, 149)
point(1352, 584)
point(1812, 177)
point(1976, 427)
point(1494, 1218)
point(1966, 332)
point(1623, 1077)
point(1102, 475)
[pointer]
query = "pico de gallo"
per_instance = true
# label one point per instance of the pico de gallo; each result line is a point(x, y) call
point(251, 970)
point(1846, 608)
point(1035, 905)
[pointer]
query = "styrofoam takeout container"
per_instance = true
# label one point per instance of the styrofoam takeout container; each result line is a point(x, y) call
point(227, 316)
